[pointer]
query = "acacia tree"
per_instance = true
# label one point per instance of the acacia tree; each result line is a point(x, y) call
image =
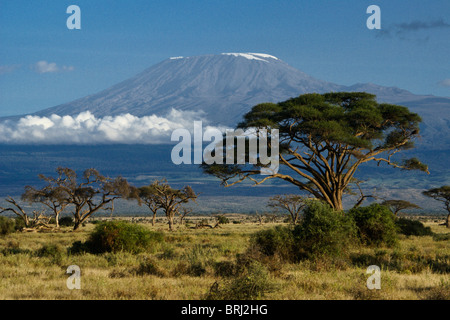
point(292, 203)
point(147, 196)
point(441, 194)
point(396, 205)
point(324, 138)
point(93, 193)
point(52, 196)
point(167, 198)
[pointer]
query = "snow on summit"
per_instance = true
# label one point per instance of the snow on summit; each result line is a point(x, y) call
point(253, 56)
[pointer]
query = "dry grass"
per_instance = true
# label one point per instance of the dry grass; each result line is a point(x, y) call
point(183, 268)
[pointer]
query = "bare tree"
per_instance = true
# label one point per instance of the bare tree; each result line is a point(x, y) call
point(16, 210)
point(39, 219)
point(183, 212)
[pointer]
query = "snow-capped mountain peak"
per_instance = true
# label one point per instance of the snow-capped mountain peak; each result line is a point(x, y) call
point(253, 56)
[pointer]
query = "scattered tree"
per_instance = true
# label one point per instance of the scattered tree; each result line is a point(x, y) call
point(441, 194)
point(167, 198)
point(147, 196)
point(396, 205)
point(324, 138)
point(292, 203)
point(93, 193)
point(183, 212)
point(52, 196)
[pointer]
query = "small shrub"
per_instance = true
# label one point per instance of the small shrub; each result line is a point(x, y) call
point(253, 283)
point(12, 248)
point(19, 224)
point(52, 251)
point(66, 222)
point(278, 241)
point(323, 232)
point(149, 267)
point(116, 236)
point(413, 228)
point(182, 268)
point(223, 220)
point(78, 247)
point(441, 292)
point(168, 253)
point(441, 237)
point(198, 259)
point(225, 269)
point(49, 250)
point(7, 226)
point(375, 224)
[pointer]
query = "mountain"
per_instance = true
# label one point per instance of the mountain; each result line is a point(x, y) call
point(226, 86)
point(222, 87)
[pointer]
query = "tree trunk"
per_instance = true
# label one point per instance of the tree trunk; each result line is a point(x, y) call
point(447, 223)
point(57, 220)
point(154, 219)
point(76, 226)
point(336, 204)
point(170, 223)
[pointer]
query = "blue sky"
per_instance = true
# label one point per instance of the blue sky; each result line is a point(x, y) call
point(43, 64)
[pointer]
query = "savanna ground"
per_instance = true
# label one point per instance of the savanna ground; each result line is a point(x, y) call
point(191, 263)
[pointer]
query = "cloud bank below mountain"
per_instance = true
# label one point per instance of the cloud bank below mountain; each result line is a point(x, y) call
point(85, 128)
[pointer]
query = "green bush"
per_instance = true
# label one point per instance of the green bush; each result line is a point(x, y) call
point(115, 236)
point(198, 259)
point(7, 225)
point(66, 222)
point(413, 228)
point(323, 232)
point(149, 267)
point(441, 237)
point(376, 225)
point(278, 241)
point(52, 251)
point(251, 283)
point(223, 220)
point(19, 224)
point(49, 250)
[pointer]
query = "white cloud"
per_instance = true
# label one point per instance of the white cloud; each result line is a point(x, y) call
point(445, 82)
point(8, 68)
point(49, 67)
point(85, 128)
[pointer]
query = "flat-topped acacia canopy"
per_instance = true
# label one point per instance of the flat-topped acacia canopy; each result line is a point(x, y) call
point(324, 138)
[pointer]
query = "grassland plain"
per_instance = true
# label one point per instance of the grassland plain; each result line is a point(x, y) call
point(191, 263)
